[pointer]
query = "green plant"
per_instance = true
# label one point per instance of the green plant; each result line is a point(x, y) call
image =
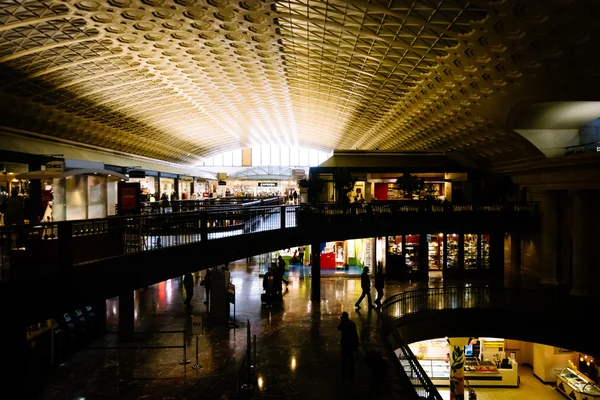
point(314, 188)
point(344, 183)
point(410, 184)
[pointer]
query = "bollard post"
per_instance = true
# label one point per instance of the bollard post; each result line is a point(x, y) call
point(248, 352)
point(255, 362)
point(185, 361)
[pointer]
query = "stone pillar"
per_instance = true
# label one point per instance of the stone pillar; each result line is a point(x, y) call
point(585, 259)
point(457, 368)
point(497, 254)
point(315, 270)
point(549, 214)
point(515, 252)
point(126, 317)
point(14, 356)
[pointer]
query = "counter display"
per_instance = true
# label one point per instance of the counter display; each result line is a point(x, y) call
point(575, 385)
point(477, 375)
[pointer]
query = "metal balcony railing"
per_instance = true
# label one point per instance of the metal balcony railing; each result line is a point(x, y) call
point(46, 247)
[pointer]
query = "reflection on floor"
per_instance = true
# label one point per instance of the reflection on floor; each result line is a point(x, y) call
point(531, 388)
point(298, 346)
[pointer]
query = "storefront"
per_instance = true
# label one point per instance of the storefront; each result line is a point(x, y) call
point(412, 255)
point(79, 190)
point(487, 363)
point(148, 185)
point(185, 187)
point(350, 257)
point(167, 186)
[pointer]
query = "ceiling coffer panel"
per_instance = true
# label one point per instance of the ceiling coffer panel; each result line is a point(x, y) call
point(179, 80)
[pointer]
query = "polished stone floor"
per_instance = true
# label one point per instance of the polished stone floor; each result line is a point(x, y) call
point(297, 346)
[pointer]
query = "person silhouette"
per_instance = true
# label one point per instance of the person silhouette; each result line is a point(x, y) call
point(188, 284)
point(365, 284)
point(349, 343)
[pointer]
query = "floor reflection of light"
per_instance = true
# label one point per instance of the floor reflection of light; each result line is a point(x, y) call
point(293, 364)
point(261, 382)
point(169, 290)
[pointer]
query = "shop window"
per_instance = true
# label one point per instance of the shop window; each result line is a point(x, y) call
point(303, 157)
point(395, 245)
point(470, 260)
point(452, 251)
point(294, 156)
point(228, 159)
point(285, 155)
point(275, 155)
point(436, 251)
point(485, 251)
point(412, 251)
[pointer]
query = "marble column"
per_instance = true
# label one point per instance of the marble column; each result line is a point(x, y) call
point(457, 368)
point(126, 317)
point(549, 267)
point(315, 270)
point(585, 258)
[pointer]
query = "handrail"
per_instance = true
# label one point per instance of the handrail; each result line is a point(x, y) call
point(421, 383)
point(45, 247)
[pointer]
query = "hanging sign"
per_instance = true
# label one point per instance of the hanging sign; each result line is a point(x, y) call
point(267, 184)
point(56, 166)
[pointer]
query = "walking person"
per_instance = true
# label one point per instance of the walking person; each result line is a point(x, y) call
point(379, 285)
point(188, 284)
point(295, 197)
point(269, 286)
point(281, 271)
point(349, 343)
point(301, 255)
point(365, 284)
point(207, 282)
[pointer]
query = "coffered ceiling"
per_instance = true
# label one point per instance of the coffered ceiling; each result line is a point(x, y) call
point(178, 80)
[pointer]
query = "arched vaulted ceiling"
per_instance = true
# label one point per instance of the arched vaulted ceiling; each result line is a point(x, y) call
point(177, 80)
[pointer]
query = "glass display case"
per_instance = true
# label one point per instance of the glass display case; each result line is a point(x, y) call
point(575, 385)
point(485, 251)
point(470, 251)
point(436, 251)
point(452, 251)
point(412, 251)
point(395, 245)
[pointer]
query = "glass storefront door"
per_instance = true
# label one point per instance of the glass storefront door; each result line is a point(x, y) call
point(412, 252)
point(452, 251)
point(470, 251)
point(436, 251)
point(485, 251)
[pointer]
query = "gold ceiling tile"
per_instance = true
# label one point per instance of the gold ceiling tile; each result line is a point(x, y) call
point(326, 74)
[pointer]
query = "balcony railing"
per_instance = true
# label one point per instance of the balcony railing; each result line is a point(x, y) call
point(46, 247)
point(160, 207)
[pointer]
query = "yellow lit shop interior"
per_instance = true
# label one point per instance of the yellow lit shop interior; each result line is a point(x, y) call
point(498, 362)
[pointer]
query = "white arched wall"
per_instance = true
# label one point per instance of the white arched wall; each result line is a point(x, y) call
point(553, 126)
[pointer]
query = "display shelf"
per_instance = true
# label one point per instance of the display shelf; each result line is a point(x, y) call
point(575, 385)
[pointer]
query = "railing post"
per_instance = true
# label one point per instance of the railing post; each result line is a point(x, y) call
point(204, 226)
point(65, 241)
point(282, 211)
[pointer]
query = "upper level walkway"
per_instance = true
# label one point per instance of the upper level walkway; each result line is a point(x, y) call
point(55, 261)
